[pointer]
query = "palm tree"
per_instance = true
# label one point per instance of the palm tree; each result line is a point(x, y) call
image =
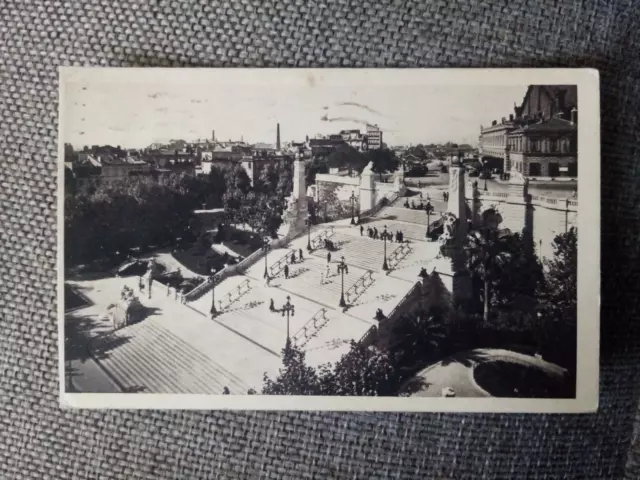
point(418, 338)
point(488, 251)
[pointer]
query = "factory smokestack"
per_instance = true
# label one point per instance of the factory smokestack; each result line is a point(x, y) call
point(278, 137)
point(213, 135)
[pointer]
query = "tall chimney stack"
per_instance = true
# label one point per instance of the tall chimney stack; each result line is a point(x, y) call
point(213, 135)
point(278, 137)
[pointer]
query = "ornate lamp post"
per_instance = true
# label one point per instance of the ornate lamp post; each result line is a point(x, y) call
point(212, 279)
point(288, 309)
point(486, 174)
point(385, 235)
point(342, 269)
point(353, 207)
point(429, 208)
point(266, 246)
point(308, 222)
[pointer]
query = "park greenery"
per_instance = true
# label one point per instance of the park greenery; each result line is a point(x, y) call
point(517, 302)
point(418, 339)
point(108, 221)
point(348, 158)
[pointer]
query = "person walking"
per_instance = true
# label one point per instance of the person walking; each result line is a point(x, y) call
point(293, 257)
point(375, 233)
point(328, 272)
point(300, 254)
point(286, 271)
point(272, 307)
point(370, 232)
point(328, 257)
point(361, 230)
point(321, 278)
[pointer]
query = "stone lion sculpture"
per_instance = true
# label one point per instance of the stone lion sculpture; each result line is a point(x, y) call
point(449, 229)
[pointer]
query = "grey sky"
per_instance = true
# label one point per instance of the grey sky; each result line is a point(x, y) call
point(135, 114)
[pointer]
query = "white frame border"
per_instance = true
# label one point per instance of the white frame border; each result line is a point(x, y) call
point(587, 378)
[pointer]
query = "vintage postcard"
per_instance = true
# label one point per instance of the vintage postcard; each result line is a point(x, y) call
point(371, 240)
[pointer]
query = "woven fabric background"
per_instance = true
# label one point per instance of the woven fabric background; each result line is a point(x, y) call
point(38, 440)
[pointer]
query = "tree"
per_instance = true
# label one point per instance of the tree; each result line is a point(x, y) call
point(418, 338)
point(559, 298)
point(382, 161)
point(362, 371)
point(488, 251)
point(347, 157)
point(295, 377)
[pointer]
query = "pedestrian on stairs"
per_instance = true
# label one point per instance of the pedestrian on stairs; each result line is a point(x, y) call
point(361, 230)
point(286, 271)
point(375, 233)
point(300, 254)
point(321, 278)
point(329, 257)
point(272, 307)
point(328, 272)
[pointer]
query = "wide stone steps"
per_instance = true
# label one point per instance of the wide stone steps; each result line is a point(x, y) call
point(151, 359)
point(253, 319)
point(362, 252)
point(405, 215)
point(304, 280)
point(409, 230)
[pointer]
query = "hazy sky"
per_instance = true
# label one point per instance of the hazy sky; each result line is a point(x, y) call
point(138, 114)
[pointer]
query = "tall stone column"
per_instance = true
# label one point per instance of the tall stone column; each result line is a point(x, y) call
point(367, 189)
point(453, 272)
point(298, 206)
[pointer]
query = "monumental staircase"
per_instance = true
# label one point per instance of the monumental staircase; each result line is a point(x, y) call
point(187, 349)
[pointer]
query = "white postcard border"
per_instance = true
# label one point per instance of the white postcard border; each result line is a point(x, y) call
point(587, 81)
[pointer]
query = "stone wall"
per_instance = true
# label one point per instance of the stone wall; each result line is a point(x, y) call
point(544, 217)
point(522, 163)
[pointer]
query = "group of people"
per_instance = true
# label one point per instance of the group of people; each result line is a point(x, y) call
point(505, 175)
point(329, 245)
point(374, 234)
point(421, 206)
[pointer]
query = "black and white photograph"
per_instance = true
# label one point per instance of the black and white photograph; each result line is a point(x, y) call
point(304, 239)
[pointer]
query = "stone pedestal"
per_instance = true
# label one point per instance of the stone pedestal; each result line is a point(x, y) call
point(367, 189)
point(297, 212)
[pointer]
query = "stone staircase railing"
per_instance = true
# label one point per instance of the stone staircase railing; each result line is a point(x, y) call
point(400, 307)
point(316, 242)
point(277, 267)
point(372, 335)
point(384, 202)
point(241, 267)
point(358, 288)
point(309, 329)
point(234, 295)
point(398, 254)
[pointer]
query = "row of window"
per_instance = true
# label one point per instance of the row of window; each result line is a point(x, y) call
point(553, 169)
point(548, 145)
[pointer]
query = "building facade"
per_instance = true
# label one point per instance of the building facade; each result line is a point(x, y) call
point(540, 138)
point(374, 137)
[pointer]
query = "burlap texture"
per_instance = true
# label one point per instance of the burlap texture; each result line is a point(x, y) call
point(38, 440)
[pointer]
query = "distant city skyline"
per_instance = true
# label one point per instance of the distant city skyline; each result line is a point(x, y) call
point(135, 115)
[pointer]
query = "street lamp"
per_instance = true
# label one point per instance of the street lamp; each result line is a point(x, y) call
point(353, 207)
point(308, 222)
point(212, 279)
point(342, 269)
point(385, 235)
point(288, 309)
point(429, 210)
point(486, 175)
point(266, 246)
